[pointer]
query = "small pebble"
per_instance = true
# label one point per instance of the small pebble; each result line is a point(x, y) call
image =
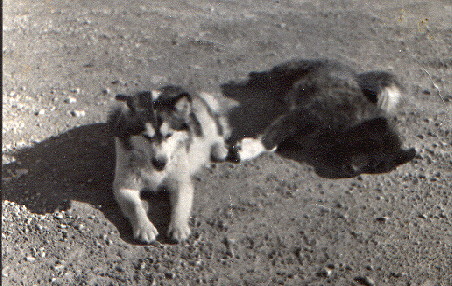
point(80, 227)
point(58, 267)
point(75, 90)
point(70, 100)
point(421, 215)
point(364, 280)
point(170, 275)
point(59, 215)
point(77, 113)
point(325, 272)
point(20, 172)
point(30, 258)
point(40, 112)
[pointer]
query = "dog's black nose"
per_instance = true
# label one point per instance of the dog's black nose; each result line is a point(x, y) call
point(159, 163)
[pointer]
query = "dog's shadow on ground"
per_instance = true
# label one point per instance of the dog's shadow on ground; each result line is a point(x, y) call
point(77, 165)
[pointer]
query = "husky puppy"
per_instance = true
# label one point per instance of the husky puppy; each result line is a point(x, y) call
point(342, 119)
point(162, 138)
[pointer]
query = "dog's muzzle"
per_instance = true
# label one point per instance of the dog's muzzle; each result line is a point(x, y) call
point(159, 163)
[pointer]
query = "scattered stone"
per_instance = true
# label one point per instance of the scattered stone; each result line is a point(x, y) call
point(421, 215)
point(20, 173)
point(80, 227)
point(58, 267)
point(30, 258)
point(367, 281)
point(381, 219)
point(106, 91)
point(77, 113)
point(229, 243)
point(170, 275)
point(40, 112)
point(70, 100)
point(325, 272)
point(59, 215)
point(75, 90)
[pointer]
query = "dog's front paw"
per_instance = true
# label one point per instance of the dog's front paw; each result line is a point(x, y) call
point(145, 232)
point(251, 148)
point(219, 152)
point(179, 231)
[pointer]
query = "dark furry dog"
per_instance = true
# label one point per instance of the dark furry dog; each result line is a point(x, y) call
point(341, 119)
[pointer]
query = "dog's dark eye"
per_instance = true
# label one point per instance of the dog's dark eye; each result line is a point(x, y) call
point(185, 127)
point(150, 138)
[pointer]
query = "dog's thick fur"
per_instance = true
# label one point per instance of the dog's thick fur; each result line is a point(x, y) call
point(162, 139)
point(344, 118)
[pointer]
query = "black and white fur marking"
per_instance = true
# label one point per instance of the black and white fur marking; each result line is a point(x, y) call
point(162, 138)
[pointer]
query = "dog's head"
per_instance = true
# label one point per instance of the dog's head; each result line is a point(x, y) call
point(155, 124)
point(369, 147)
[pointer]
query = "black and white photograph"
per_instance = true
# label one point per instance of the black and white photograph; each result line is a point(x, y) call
point(227, 142)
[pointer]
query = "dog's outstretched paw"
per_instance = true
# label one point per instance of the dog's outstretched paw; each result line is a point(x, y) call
point(179, 232)
point(251, 148)
point(145, 232)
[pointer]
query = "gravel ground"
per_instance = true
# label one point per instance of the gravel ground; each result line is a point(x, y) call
point(271, 221)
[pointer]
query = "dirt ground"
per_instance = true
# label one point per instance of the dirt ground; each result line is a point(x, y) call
point(271, 221)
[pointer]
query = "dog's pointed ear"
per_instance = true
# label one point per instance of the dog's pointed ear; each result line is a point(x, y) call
point(183, 105)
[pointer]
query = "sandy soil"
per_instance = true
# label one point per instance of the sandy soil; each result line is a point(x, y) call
point(271, 221)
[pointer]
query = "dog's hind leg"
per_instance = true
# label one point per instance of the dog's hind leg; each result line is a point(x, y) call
point(132, 206)
point(181, 195)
